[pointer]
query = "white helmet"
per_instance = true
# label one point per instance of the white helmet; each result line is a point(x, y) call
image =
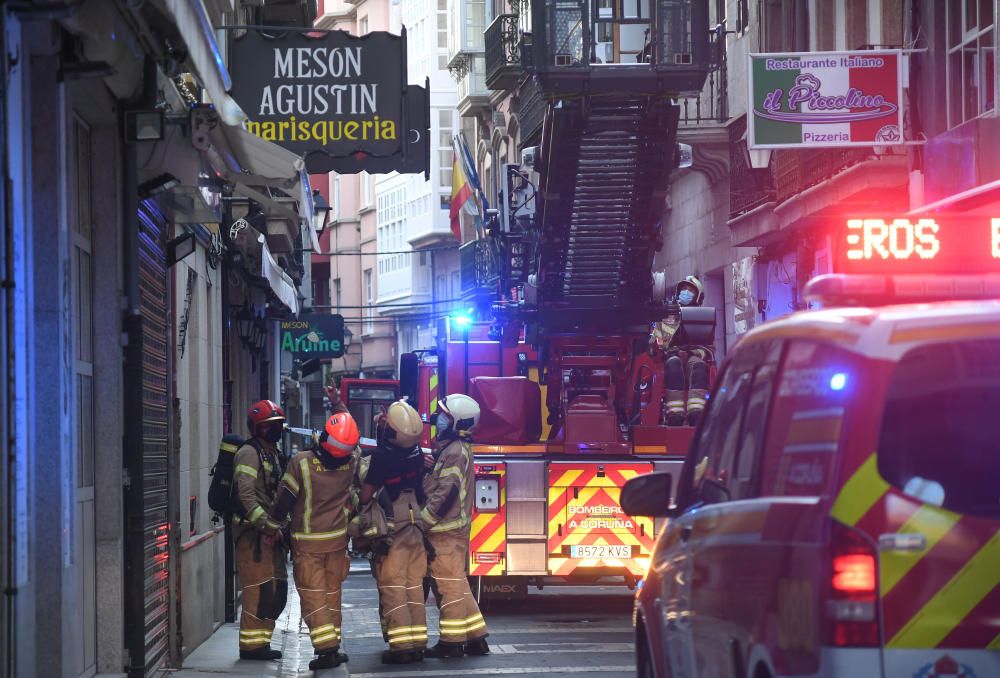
point(461, 410)
point(696, 287)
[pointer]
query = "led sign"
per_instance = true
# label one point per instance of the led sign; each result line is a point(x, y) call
point(938, 244)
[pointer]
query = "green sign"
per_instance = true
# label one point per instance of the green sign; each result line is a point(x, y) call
point(315, 335)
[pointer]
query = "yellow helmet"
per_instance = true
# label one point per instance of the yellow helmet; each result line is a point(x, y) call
point(403, 426)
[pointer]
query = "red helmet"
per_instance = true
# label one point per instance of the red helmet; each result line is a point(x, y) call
point(263, 411)
point(340, 435)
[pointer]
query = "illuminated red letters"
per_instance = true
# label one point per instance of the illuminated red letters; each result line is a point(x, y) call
point(900, 239)
point(995, 231)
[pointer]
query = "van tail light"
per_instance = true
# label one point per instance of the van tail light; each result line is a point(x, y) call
point(852, 600)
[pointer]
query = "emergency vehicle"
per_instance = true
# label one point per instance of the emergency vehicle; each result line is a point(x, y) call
point(838, 513)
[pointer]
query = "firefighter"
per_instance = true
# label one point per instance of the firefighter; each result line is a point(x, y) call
point(260, 553)
point(686, 378)
point(447, 518)
point(395, 481)
point(316, 490)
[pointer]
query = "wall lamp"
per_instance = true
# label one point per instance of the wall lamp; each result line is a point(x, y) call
point(180, 247)
point(321, 212)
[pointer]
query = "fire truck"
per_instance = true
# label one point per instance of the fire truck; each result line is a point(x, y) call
point(561, 365)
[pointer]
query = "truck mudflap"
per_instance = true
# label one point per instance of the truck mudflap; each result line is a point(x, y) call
point(588, 532)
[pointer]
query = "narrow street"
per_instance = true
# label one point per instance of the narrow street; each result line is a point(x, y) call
point(559, 632)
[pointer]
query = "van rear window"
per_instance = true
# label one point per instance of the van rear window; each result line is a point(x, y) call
point(940, 435)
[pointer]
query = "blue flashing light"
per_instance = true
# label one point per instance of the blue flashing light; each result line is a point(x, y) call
point(838, 381)
point(461, 321)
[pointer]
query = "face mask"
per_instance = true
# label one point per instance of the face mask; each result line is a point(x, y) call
point(685, 297)
point(272, 433)
point(443, 423)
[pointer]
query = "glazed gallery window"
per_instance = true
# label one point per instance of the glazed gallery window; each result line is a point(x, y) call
point(971, 59)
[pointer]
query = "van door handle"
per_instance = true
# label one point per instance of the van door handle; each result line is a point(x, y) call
point(913, 541)
point(686, 532)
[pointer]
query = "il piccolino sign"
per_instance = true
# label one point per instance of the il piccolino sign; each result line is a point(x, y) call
point(825, 99)
point(314, 335)
point(340, 100)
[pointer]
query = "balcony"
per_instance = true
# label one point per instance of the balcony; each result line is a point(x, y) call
point(503, 53)
point(473, 97)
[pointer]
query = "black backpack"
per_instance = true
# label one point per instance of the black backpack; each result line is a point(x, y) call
point(221, 497)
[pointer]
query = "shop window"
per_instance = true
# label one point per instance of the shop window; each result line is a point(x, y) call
point(971, 65)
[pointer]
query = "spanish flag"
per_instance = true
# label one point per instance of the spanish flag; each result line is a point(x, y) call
point(461, 195)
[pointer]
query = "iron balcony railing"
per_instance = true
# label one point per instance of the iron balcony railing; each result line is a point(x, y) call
point(530, 110)
point(503, 52)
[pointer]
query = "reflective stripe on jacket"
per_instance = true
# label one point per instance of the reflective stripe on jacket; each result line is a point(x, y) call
point(256, 487)
point(449, 489)
point(322, 501)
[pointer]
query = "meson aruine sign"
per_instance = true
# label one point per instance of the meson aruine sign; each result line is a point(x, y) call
point(338, 99)
point(314, 335)
point(825, 99)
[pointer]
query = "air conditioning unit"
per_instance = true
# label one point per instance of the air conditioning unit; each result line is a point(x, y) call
point(529, 157)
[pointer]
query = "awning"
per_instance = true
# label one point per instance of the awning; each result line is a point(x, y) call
point(282, 285)
point(206, 57)
point(253, 165)
point(969, 199)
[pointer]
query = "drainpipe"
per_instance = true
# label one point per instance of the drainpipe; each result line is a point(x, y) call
point(227, 396)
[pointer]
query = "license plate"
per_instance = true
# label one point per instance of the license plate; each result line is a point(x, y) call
point(599, 551)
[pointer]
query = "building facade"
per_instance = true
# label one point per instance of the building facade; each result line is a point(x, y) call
point(142, 283)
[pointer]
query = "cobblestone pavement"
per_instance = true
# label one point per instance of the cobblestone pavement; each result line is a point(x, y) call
point(559, 632)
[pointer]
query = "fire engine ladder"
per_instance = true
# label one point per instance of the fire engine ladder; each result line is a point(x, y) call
point(608, 161)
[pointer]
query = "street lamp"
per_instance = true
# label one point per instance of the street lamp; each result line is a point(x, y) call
point(244, 325)
point(321, 212)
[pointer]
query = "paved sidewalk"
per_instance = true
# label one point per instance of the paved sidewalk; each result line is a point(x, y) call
point(219, 655)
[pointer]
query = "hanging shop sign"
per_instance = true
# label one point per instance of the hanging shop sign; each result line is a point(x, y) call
point(337, 99)
point(825, 99)
point(314, 335)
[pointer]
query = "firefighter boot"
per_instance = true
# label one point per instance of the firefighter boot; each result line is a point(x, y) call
point(673, 401)
point(478, 647)
point(260, 654)
point(698, 391)
point(445, 651)
point(399, 656)
point(328, 659)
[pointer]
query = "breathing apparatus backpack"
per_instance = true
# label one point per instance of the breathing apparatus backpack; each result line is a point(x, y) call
point(222, 497)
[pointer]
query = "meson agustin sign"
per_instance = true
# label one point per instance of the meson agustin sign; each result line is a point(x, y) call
point(327, 95)
point(315, 335)
point(825, 99)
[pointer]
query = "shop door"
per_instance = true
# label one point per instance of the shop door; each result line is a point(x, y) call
point(84, 644)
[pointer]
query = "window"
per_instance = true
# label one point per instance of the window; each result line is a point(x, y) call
point(971, 60)
point(335, 199)
point(366, 189)
point(369, 302)
point(336, 294)
point(937, 442)
point(809, 409)
point(857, 24)
point(785, 25)
point(363, 26)
point(456, 286)
point(83, 304)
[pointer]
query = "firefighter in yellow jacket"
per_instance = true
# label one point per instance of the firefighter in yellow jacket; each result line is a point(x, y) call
point(447, 519)
point(260, 555)
point(395, 481)
point(316, 490)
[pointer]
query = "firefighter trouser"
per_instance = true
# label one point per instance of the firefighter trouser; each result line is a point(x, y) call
point(318, 579)
point(400, 575)
point(261, 568)
point(461, 620)
point(686, 384)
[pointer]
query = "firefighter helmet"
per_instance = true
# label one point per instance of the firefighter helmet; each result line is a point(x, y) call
point(460, 411)
point(401, 426)
point(697, 290)
point(263, 412)
point(340, 435)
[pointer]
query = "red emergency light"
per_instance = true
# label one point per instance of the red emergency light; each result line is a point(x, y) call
point(937, 244)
